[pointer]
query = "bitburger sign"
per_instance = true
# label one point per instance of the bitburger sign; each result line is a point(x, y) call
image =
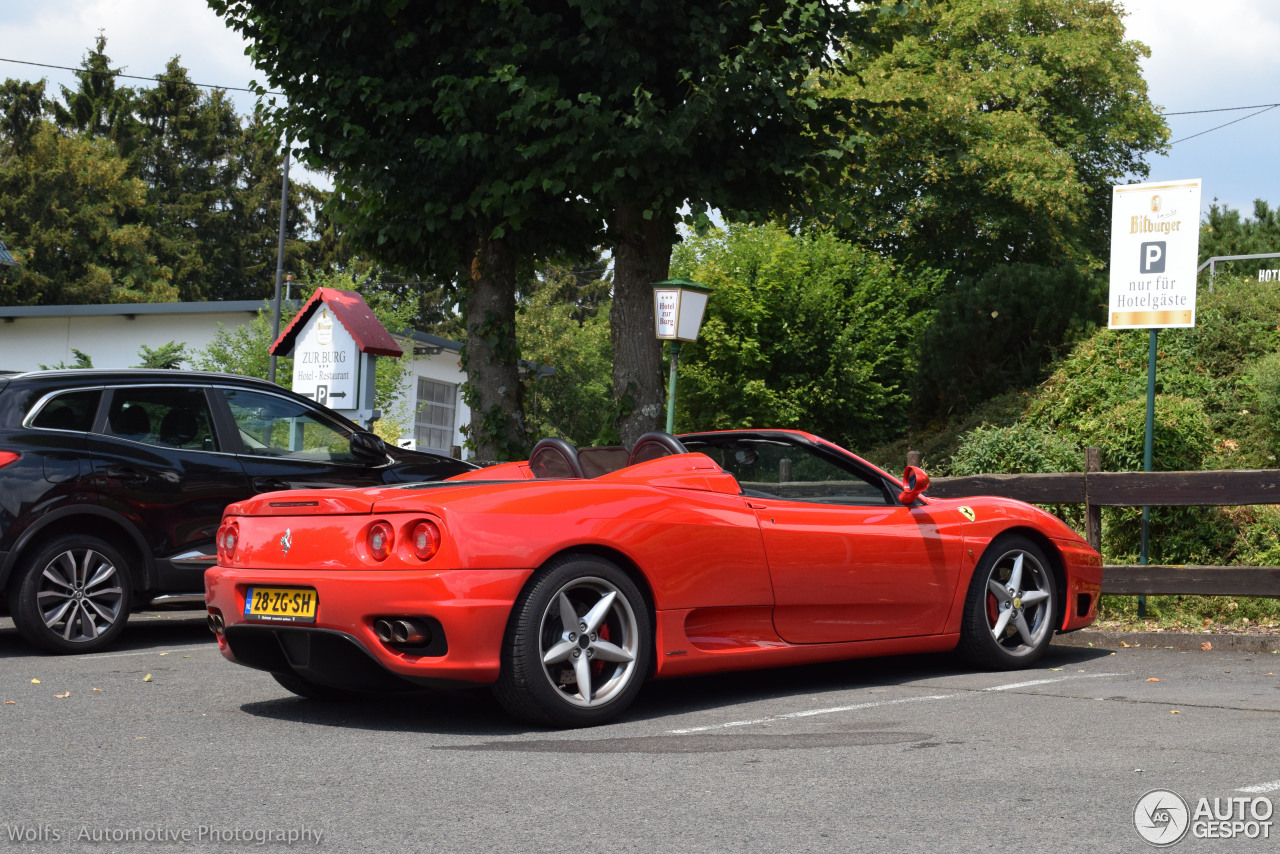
point(1155, 241)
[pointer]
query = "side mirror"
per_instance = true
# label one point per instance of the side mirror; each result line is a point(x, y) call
point(368, 446)
point(915, 481)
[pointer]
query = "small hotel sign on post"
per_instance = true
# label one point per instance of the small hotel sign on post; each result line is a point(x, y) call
point(1155, 241)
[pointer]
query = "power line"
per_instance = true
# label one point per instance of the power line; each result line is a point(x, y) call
point(156, 79)
point(1221, 110)
point(1220, 127)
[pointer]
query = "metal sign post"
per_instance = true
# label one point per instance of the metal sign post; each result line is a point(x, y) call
point(1155, 242)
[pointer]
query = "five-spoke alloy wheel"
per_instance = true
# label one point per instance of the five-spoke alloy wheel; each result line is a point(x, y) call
point(578, 645)
point(72, 595)
point(1011, 606)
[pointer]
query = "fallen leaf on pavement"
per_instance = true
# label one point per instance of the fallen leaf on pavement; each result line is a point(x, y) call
point(64, 695)
point(1206, 646)
point(35, 681)
point(11, 702)
point(1174, 712)
point(1123, 644)
point(146, 678)
point(1153, 679)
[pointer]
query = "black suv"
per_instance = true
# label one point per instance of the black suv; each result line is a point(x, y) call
point(113, 483)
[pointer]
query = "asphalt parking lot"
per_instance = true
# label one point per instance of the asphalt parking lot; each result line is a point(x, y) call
point(161, 745)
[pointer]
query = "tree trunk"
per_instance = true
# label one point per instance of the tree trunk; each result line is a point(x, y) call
point(642, 256)
point(490, 356)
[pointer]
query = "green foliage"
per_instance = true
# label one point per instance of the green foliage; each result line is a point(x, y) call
point(1225, 233)
point(1265, 380)
point(458, 129)
point(165, 357)
point(1001, 330)
point(74, 218)
point(805, 331)
point(119, 194)
point(1004, 126)
point(83, 360)
point(1181, 434)
point(563, 325)
point(1017, 449)
point(244, 349)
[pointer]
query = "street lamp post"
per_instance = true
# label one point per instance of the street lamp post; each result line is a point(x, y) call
point(678, 305)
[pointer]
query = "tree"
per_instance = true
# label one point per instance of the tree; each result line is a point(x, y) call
point(472, 138)
point(1005, 126)
point(801, 331)
point(97, 107)
point(1225, 233)
point(75, 215)
point(22, 108)
point(563, 331)
point(185, 155)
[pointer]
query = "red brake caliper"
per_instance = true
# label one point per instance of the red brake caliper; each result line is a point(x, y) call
point(597, 667)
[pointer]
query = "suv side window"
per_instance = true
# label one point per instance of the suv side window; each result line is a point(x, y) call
point(273, 426)
point(73, 410)
point(163, 416)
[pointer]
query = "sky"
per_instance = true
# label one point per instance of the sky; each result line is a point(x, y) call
point(1204, 56)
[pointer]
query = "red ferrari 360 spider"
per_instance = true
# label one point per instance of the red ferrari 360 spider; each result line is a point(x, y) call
point(566, 581)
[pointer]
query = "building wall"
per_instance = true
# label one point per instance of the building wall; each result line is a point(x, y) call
point(112, 341)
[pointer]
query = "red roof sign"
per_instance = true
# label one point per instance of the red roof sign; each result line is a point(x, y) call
point(355, 316)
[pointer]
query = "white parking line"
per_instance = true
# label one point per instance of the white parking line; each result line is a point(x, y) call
point(1261, 788)
point(808, 713)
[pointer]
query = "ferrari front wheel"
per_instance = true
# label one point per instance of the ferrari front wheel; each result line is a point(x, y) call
point(577, 646)
point(1011, 606)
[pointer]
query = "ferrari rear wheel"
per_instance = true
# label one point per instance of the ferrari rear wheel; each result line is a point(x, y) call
point(577, 646)
point(1011, 606)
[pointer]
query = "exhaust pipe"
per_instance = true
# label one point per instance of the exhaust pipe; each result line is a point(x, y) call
point(407, 632)
point(215, 623)
point(382, 628)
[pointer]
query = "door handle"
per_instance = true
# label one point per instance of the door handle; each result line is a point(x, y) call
point(124, 474)
point(269, 484)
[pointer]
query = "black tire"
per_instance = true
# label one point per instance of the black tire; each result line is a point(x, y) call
point(1001, 630)
point(313, 691)
point(71, 595)
point(544, 661)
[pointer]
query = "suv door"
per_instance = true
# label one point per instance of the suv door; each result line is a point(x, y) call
point(158, 461)
point(284, 443)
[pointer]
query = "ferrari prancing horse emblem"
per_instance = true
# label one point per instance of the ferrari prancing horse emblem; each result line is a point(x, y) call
point(967, 512)
point(286, 542)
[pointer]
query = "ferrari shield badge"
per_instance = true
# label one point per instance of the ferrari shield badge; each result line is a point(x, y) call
point(967, 512)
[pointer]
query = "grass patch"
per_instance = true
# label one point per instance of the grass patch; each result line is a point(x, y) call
point(1191, 614)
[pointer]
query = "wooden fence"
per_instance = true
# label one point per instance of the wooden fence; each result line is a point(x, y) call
point(1096, 489)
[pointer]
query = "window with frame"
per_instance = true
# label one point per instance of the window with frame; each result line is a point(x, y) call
point(272, 426)
point(164, 416)
point(433, 425)
point(771, 469)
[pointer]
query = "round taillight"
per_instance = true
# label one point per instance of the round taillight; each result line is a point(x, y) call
point(228, 537)
point(425, 539)
point(380, 540)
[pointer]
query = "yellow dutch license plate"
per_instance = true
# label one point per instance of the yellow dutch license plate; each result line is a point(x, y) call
point(281, 604)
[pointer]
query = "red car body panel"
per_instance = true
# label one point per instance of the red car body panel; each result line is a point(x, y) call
point(733, 581)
